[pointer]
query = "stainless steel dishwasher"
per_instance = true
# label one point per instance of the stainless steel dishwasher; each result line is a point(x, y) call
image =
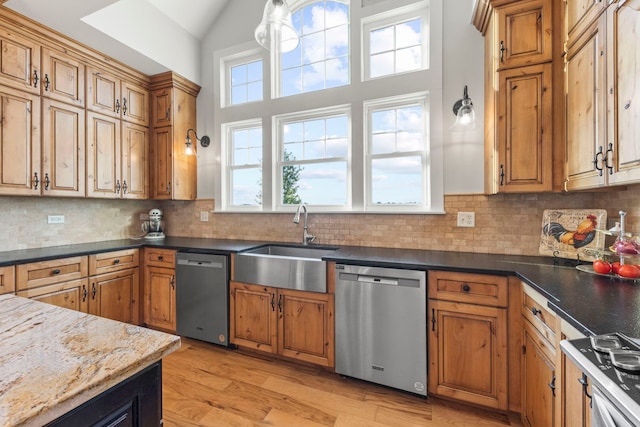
point(381, 326)
point(202, 297)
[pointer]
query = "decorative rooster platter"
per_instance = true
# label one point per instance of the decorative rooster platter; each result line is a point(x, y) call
point(566, 233)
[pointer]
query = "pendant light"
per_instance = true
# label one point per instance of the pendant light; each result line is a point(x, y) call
point(275, 32)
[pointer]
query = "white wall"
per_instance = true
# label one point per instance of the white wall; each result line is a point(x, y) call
point(462, 64)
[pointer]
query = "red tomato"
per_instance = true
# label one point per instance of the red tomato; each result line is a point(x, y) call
point(629, 270)
point(615, 267)
point(602, 267)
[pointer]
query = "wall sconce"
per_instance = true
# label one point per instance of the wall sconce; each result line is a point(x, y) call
point(464, 111)
point(188, 146)
point(275, 32)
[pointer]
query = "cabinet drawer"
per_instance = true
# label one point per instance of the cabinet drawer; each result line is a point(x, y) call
point(535, 310)
point(467, 287)
point(160, 257)
point(7, 279)
point(42, 273)
point(108, 262)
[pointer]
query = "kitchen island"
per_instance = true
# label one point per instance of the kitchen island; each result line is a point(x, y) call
point(54, 360)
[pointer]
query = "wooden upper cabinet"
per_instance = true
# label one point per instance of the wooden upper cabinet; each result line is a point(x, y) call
point(161, 108)
point(524, 33)
point(117, 154)
point(579, 15)
point(62, 77)
point(63, 149)
point(20, 148)
point(19, 62)
point(103, 155)
point(623, 91)
point(586, 109)
point(109, 94)
point(173, 111)
point(525, 129)
point(135, 161)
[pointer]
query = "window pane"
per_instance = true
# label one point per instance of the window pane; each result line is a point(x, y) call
point(337, 147)
point(381, 40)
point(314, 129)
point(382, 64)
point(322, 58)
point(408, 59)
point(240, 139)
point(408, 34)
point(246, 187)
point(294, 151)
point(396, 181)
point(410, 118)
point(315, 184)
point(293, 132)
point(382, 143)
point(246, 82)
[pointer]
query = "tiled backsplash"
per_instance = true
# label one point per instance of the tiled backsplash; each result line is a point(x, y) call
point(505, 224)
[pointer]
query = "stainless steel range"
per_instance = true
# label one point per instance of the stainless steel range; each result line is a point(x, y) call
point(612, 363)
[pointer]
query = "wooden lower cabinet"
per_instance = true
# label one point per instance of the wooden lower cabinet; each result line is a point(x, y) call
point(291, 323)
point(7, 279)
point(73, 295)
point(115, 296)
point(160, 298)
point(468, 353)
point(538, 379)
point(575, 405)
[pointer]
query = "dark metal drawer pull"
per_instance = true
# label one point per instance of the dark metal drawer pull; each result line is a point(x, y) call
point(56, 271)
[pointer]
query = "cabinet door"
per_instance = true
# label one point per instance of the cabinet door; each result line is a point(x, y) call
point(574, 404)
point(63, 149)
point(19, 143)
point(135, 104)
point(103, 156)
point(524, 33)
point(115, 296)
point(161, 163)
point(305, 326)
point(135, 152)
point(623, 68)
point(160, 298)
point(7, 280)
point(73, 295)
point(252, 313)
point(538, 378)
point(19, 62)
point(62, 77)
point(468, 353)
point(103, 92)
point(525, 129)
point(586, 108)
point(580, 14)
point(161, 107)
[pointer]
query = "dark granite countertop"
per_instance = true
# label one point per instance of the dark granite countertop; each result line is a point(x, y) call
point(593, 304)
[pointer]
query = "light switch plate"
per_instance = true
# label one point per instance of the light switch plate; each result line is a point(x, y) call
point(204, 216)
point(55, 219)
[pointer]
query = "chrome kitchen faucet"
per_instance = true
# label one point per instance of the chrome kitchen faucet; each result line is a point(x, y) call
point(306, 237)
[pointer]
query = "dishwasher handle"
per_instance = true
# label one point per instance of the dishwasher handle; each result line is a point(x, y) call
point(378, 280)
point(199, 263)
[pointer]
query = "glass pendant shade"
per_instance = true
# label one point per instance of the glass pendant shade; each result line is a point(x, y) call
point(465, 113)
point(188, 147)
point(275, 32)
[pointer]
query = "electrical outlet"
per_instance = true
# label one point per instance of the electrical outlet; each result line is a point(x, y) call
point(204, 216)
point(466, 219)
point(55, 219)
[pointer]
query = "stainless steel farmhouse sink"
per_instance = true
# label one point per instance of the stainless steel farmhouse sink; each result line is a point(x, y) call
point(284, 266)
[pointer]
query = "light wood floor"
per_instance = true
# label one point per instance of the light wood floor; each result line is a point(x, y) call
point(208, 385)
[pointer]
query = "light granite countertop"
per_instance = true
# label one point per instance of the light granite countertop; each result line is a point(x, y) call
point(54, 359)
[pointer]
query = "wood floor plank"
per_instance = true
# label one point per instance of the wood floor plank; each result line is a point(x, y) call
point(331, 403)
point(208, 385)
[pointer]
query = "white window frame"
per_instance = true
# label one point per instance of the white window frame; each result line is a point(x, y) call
point(389, 18)
point(278, 126)
point(228, 168)
point(372, 106)
point(234, 60)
